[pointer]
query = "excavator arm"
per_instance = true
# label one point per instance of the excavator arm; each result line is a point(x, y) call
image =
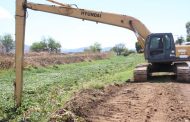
point(124, 21)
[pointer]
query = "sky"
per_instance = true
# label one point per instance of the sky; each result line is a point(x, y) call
point(158, 16)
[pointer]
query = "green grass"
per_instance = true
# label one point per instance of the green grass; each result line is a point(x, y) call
point(47, 89)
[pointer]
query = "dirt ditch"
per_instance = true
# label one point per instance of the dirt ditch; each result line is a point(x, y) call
point(133, 102)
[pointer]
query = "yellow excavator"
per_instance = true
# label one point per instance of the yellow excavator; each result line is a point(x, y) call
point(162, 55)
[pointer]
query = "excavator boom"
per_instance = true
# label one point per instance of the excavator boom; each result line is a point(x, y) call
point(124, 21)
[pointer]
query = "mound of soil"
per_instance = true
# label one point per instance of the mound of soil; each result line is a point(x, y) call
point(84, 103)
point(133, 102)
point(45, 59)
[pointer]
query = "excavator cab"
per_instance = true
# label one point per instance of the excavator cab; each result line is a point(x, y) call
point(159, 48)
point(160, 52)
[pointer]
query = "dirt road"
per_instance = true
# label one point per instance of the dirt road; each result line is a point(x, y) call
point(134, 102)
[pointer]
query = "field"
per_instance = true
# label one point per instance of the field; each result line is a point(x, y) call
point(44, 59)
point(46, 89)
point(92, 90)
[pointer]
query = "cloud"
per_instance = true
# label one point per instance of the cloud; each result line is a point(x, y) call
point(4, 14)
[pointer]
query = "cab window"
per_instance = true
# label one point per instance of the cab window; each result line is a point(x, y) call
point(167, 41)
point(156, 43)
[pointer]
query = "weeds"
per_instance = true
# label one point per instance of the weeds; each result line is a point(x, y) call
point(47, 89)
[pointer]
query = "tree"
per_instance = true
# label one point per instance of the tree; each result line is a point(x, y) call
point(58, 47)
point(44, 44)
point(37, 47)
point(138, 47)
point(188, 28)
point(188, 31)
point(180, 40)
point(48, 44)
point(188, 39)
point(53, 46)
point(7, 42)
point(128, 52)
point(1, 48)
point(96, 47)
point(119, 48)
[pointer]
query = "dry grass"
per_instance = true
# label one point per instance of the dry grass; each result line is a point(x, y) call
point(44, 59)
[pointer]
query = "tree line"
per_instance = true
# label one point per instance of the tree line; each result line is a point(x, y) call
point(51, 45)
point(46, 44)
point(7, 45)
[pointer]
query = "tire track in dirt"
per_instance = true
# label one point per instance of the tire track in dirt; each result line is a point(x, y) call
point(179, 107)
point(137, 102)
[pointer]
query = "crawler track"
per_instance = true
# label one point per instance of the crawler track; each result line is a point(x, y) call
point(141, 73)
point(183, 73)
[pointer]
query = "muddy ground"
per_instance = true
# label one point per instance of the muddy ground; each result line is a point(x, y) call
point(134, 102)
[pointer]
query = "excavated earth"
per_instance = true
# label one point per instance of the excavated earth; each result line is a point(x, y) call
point(134, 102)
